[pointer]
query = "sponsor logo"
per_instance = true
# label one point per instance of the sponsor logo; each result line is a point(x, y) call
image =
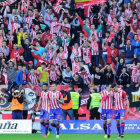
point(82, 126)
point(136, 96)
point(15, 126)
point(132, 126)
point(8, 125)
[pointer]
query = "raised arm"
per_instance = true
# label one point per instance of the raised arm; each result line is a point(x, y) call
point(104, 14)
point(100, 27)
point(102, 70)
point(82, 25)
point(35, 56)
point(120, 48)
point(114, 72)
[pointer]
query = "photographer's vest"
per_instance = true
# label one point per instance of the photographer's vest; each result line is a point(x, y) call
point(95, 97)
point(75, 98)
point(67, 106)
point(16, 105)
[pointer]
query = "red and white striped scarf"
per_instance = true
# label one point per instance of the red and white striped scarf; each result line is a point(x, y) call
point(58, 2)
point(110, 17)
point(57, 9)
point(63, 62)
point(50, 52)
point(34, 34)
point(95, 48)
point(75, 67)
point(94, 32)
point(55, 27)
point(35, 3)
point(29, 20)
point(15, 26)
point(115, 25)
point(128, 13)
point(76, 51)
point(87, 55)
point(91, 19)
point(55, 61)
point(24, 6)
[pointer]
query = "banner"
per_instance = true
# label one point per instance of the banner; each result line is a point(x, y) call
point(133, 94)
point(7, 2)
point(30, 101)
point(4, 104)
point(91, 126)
point(15, 127)
point(82, 3)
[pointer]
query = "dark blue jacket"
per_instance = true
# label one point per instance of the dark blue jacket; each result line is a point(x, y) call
point(129, 51)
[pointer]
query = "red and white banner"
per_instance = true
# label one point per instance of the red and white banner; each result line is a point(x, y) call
point(86, 3)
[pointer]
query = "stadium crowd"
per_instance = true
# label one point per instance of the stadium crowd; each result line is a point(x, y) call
point(53, 42)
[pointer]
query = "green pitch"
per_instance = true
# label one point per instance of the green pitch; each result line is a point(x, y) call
point(66, 137)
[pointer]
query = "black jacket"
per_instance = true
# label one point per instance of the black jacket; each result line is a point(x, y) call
point(27, 52)
point(124, 79)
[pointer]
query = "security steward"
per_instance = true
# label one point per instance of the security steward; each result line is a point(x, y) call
point(94, 104)
point(67, 106)
point(17, 104)
point(76, 101)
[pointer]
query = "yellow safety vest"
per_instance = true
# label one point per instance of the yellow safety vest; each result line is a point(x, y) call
point(75, 98)
point(95, 97)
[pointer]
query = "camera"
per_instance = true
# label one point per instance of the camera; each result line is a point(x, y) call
point(22, 93)
point(15, 93)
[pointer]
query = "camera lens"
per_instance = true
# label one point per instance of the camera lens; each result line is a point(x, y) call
point(22, 93)
point(15, 93)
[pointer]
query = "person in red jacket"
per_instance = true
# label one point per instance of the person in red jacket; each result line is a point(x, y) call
point(40, 59)
point(134, 22)
point(112, 52)
point(46, 36)
point(14, 52)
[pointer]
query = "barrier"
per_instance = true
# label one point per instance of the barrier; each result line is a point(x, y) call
point(15, 126)
point(78, 126)
point(93, 126)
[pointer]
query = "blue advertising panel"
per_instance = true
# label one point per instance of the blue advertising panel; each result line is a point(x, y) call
point(94, 126)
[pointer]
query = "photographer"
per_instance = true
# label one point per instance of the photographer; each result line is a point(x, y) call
point(17, 104)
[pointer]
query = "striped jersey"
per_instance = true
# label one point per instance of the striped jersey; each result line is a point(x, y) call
point(119, 98)
point(45, 100)
point(54, 104)
point(53, 75)
point(34, 79)
point(86, 78)
point(107, 104)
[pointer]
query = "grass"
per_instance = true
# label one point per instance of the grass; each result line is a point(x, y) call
point(66, 137)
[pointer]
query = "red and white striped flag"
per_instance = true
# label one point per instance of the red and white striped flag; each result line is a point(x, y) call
point(87, 10)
